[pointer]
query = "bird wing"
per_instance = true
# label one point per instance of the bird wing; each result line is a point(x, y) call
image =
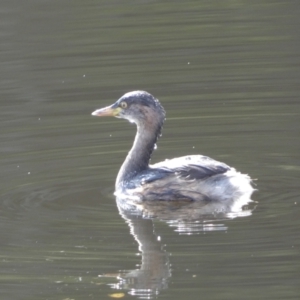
point(171, 179)
point(192, 167)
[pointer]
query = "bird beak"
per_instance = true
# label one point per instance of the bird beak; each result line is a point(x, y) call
point(112, 111)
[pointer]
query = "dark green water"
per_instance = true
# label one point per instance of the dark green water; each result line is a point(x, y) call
point(227, 73)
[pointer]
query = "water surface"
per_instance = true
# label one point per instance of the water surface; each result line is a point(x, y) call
point(227, 74)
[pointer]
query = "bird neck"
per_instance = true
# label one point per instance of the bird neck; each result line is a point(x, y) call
point(139, 156)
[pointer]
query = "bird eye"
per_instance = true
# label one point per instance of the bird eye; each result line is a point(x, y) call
point(123, 104)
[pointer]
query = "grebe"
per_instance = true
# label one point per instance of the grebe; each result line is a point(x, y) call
point(194, 177)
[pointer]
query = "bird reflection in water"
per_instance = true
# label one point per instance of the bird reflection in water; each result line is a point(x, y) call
point(186, 218)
